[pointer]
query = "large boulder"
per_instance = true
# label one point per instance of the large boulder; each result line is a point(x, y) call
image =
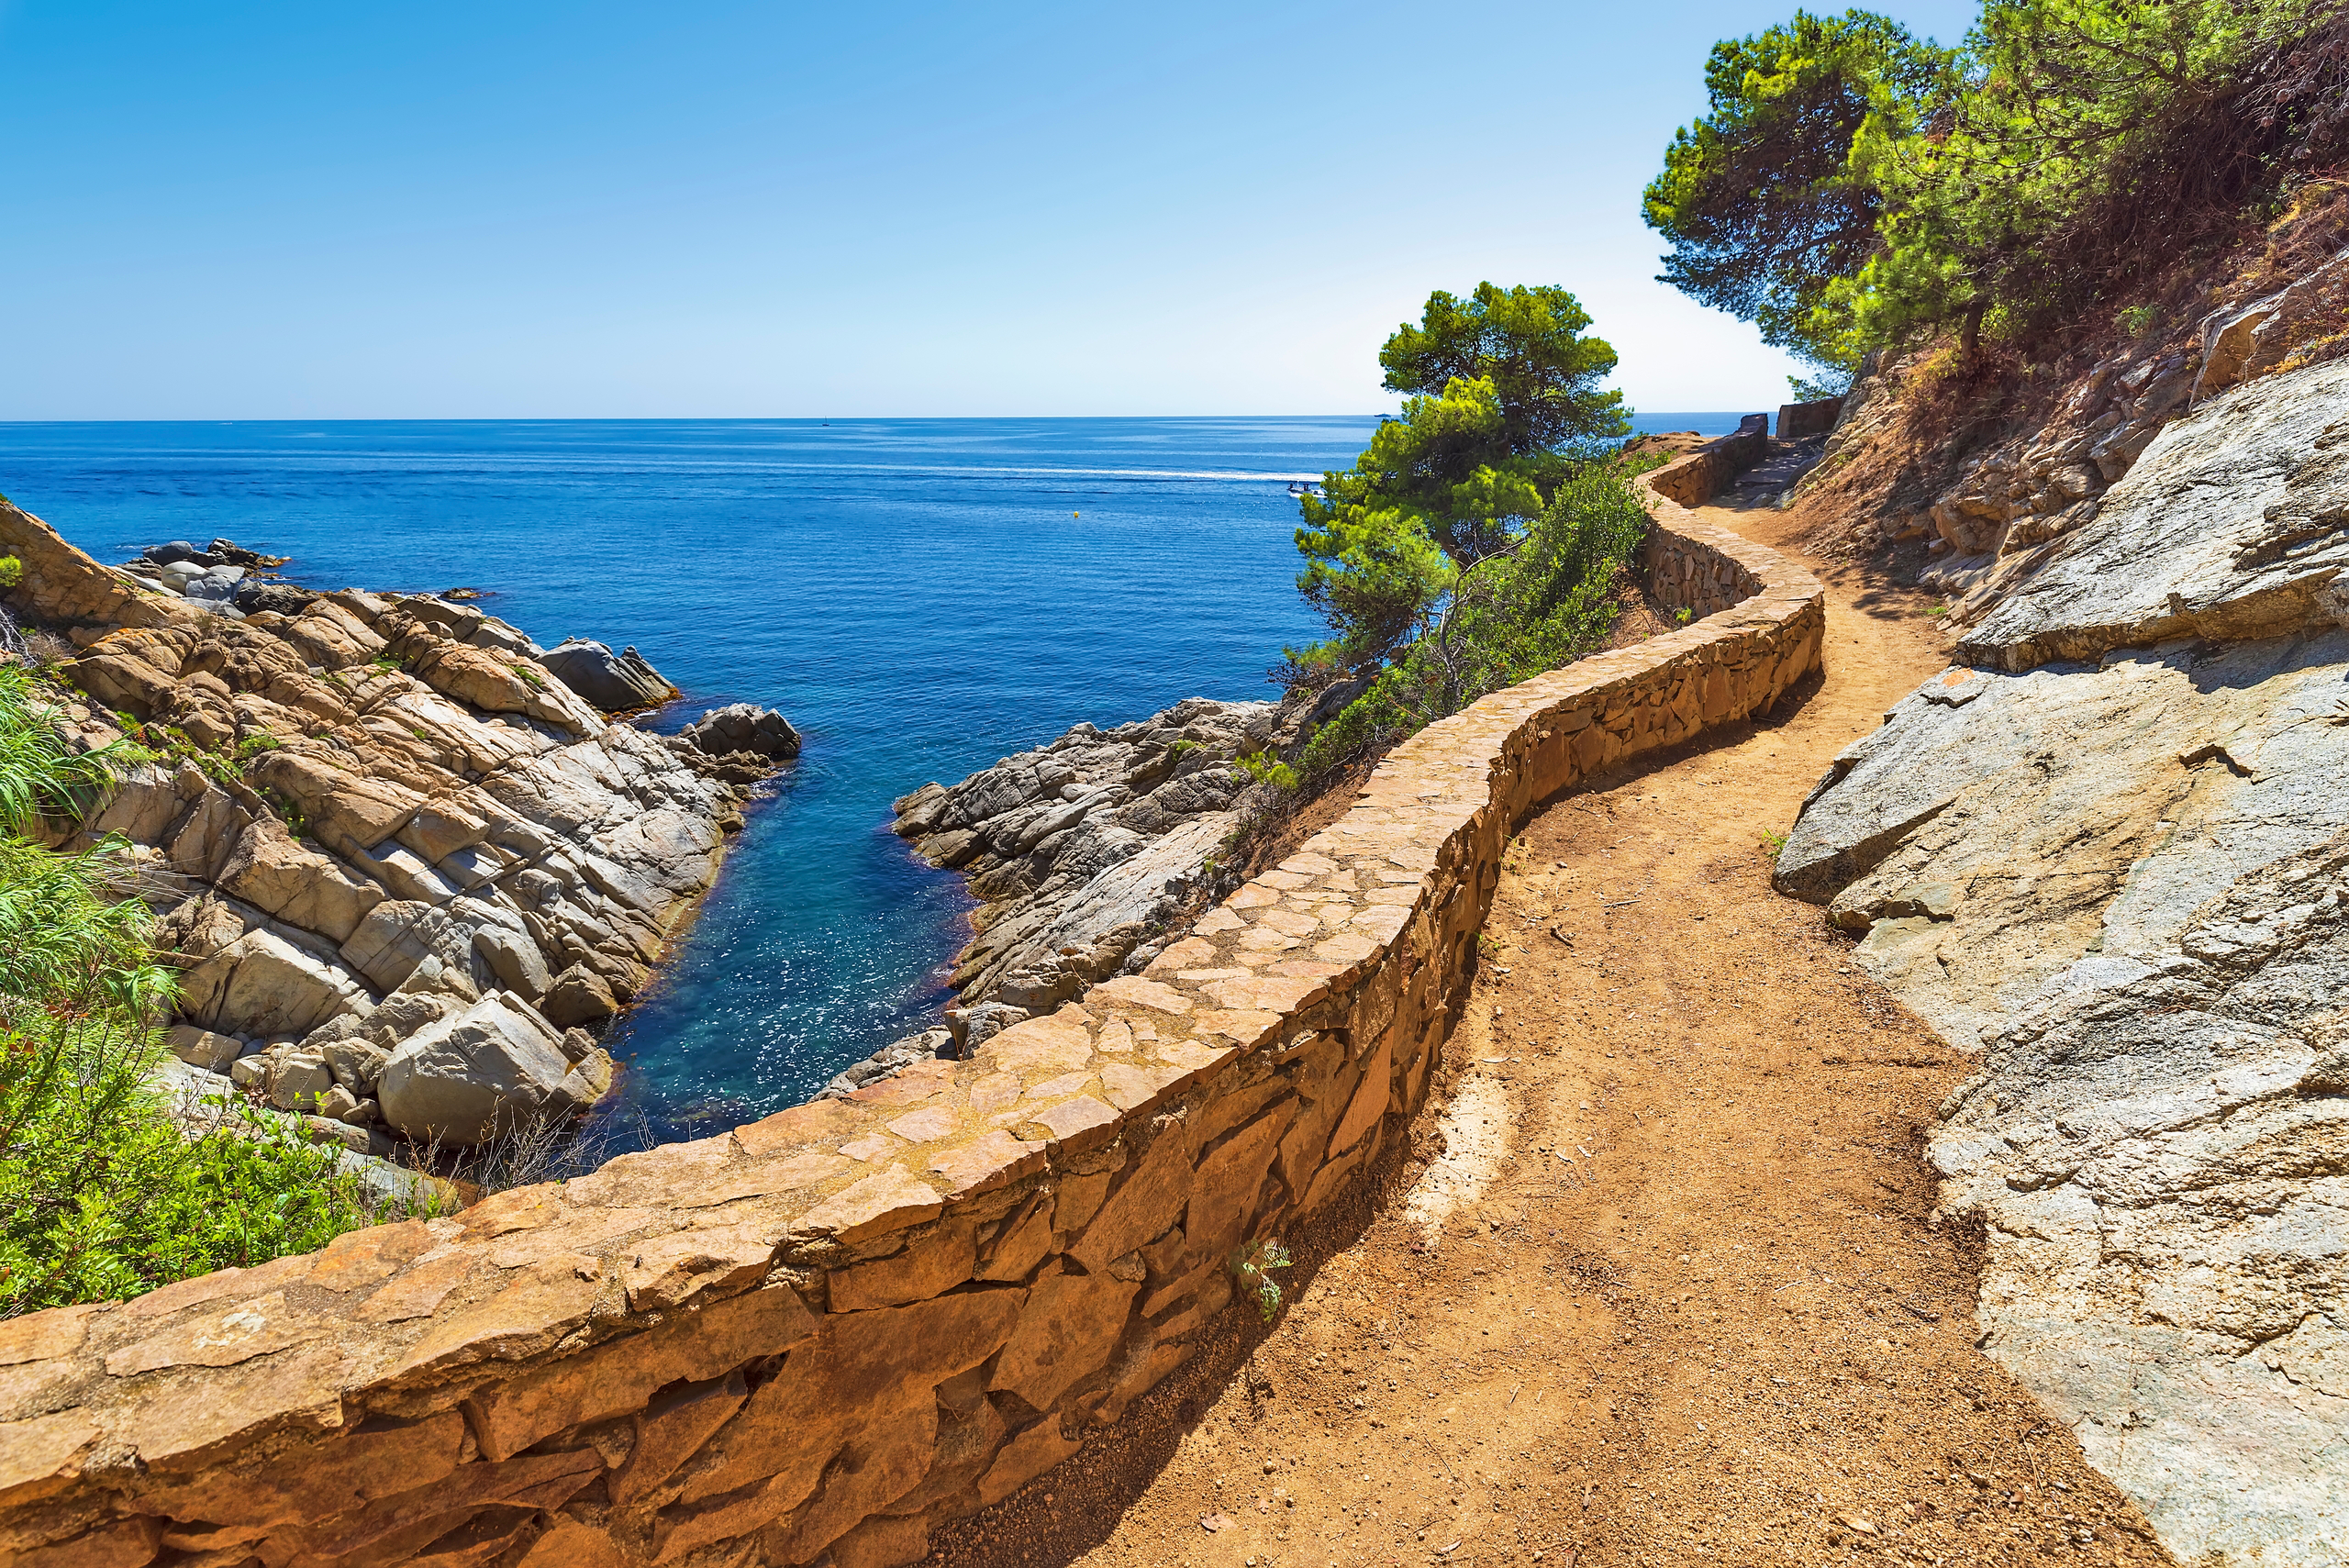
point(613, 682)
point(271, 870)
point(2229, 527)
point(492, 681)
point(579, 995)
point(254, 595)
point(740, 727)
point(495, 1067)
point(263, 984)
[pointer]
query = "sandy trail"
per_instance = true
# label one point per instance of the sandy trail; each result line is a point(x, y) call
point(1685, 1302)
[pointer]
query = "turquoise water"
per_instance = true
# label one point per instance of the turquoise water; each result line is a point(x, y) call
point(922, 598)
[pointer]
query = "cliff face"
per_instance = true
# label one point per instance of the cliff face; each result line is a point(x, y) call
point(2110, 848)
point(402, 859)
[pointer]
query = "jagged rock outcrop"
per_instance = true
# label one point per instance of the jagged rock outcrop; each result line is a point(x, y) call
point(739, 743)
point(2110, 848)
point(1994, 511)
point(397, 855)
point(738, 728)
point(615, 682)
point(1079, 850)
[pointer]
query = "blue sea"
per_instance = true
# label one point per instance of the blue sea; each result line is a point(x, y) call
point(922, 598)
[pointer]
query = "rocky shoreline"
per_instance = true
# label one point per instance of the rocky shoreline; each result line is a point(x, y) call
point(409, 860)
point(1088, 855)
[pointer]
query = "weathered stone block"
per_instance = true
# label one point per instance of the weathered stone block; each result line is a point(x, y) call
point(672, 1429)
point(1144, 1204)
point(930, 1265)
point(1067, 1331)
point(1023, 1459)
point(1230, 1181)
point(860, 1368)
point(621, 1375)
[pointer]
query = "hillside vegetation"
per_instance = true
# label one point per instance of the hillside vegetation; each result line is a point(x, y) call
point(103, 1192)
point(1853, 189)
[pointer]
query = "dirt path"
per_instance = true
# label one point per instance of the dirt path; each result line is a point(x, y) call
point(1673, 1293)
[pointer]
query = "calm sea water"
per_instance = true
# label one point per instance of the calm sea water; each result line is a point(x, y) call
point(921, 597)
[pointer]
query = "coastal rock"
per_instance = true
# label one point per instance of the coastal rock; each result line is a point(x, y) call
point(2111, 852)
point(890, 1059)
point(579, 995)
point(615, 682)
point(262, 983)
point(468, 1079)
point(380, 813)
point(2243, 503)
point(1082, 849)
point(740, 727)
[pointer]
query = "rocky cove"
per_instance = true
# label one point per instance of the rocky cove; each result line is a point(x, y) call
point(836, 1331)
point(408, 862)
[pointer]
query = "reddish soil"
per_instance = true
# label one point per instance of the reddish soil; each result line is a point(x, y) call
point(1689, 1303)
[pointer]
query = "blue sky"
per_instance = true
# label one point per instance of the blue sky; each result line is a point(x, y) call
point(602, 210)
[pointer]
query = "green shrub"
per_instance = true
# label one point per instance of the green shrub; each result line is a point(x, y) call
point(103, 1193)
point(1253, 1267)
point(12, 571)
point(1266, 768)
point(1542, 601)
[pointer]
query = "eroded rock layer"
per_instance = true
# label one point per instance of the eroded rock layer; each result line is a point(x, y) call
point(1079, 850)
point(2112, 849)
point(402, 860)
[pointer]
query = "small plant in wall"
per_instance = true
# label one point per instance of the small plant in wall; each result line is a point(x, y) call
point(1252, 1266)
point(1683, 616)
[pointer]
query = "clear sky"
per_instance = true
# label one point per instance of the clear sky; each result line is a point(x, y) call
point(507, 209)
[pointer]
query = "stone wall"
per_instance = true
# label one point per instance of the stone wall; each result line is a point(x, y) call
point(1697, 478)
point(826, 1332)
point(1799, 421)
point(1685, 572)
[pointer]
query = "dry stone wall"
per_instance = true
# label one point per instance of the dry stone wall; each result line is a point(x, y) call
point(818, 1335)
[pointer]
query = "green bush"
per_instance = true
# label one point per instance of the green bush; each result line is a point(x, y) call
point(12, 571)
point(103, 1192)
point(1266, 768)
point(1544, 601)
